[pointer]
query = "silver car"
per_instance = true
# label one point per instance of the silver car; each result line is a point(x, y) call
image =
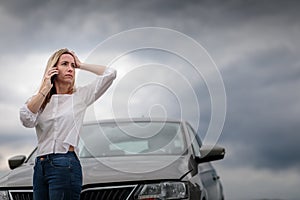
point(132, 159)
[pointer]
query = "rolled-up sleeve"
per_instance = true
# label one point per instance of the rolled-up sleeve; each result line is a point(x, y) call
point(28, 118)
point(96, 89)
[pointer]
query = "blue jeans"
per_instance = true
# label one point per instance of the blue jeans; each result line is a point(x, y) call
point(57, 177)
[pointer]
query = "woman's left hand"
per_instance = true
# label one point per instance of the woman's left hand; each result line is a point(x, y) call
point(78, 63)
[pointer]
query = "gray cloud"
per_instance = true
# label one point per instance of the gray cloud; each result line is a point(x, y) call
point(254, 43)
point(263, 110)
point(65, 23)
point(25, 136)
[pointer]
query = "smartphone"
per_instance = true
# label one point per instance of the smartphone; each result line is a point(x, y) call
point(53, 77)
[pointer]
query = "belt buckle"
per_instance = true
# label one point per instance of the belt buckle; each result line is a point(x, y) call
point(42, 158)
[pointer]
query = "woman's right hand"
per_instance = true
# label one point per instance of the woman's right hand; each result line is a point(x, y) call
point(47, 84)
point(35, 103)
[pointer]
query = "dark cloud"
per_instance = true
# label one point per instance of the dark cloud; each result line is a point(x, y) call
point(254, 43)
point(262, 118)
point(50, 24)
point(64, 23)
point(256, 89)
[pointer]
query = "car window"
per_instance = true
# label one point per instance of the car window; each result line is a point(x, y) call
point(195, 142)
point(131, 138)
point(31, 157)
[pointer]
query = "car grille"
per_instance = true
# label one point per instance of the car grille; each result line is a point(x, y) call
point(21, 195)
point(99, 193)
point(104, 193)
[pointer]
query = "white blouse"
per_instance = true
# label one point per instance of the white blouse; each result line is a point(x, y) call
point(58, 125)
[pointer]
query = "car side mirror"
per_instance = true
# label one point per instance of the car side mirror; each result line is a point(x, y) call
point(210, 153)
point(16, 161)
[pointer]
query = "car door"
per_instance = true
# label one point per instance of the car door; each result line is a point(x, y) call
point(208, 174)
point(210, 180)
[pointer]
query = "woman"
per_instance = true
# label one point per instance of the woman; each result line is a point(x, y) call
point(57, 113)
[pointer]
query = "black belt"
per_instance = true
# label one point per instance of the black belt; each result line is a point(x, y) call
point(49, 156)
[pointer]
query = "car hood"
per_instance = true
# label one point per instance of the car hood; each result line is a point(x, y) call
point(21, 176)
point(113, 169)
point(134, 168)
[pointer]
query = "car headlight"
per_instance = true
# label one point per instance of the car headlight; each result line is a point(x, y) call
point(4, 195)
point(164, 190)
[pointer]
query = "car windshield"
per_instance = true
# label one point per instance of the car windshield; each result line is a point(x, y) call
point(131, 138)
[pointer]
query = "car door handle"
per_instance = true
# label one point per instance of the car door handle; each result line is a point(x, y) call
point(216, 177)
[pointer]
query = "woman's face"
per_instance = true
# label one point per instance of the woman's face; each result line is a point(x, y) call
point(66, 69)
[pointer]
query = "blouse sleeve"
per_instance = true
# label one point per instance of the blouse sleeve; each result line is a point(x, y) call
point(91, 92)
point(28, 118)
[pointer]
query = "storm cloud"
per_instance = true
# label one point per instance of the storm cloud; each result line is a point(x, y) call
point(255, 45)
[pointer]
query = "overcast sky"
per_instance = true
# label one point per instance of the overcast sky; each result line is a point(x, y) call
point(255, 45)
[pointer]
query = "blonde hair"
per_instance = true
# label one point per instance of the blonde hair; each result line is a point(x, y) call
point(52, 62)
